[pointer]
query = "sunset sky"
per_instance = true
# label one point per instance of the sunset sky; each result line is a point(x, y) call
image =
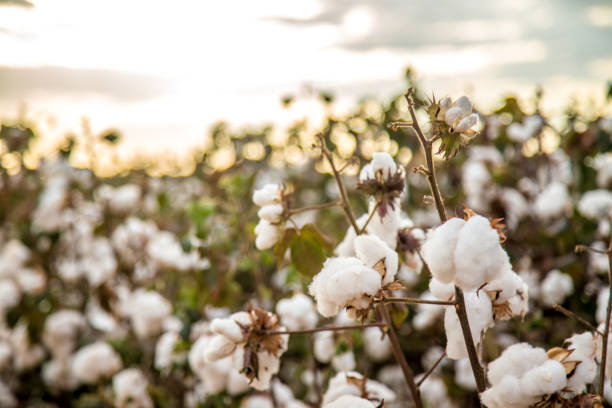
point(162, 72)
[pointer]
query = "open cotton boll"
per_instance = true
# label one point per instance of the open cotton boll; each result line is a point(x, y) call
point(380, 161)
point(441, 291)
point(464, 376)
point(376, 344)
point(439, 249)
point(268, 194)
point(370, 250)
point(94, 362)
point(344, 361)
point(271, 212)
point(267, 366)
point(339, 385)
point(478, 256)
point(595, 204)
point(504, 286)
point(60, 331)
point(506, 394)
point(147, 311)
point(343, 282)
point(324, 346)
point(480, 315)
point(467, 123)
point(267, 234)
point(218, 347)
point(555, 287)
point(297, 312)
point(584, 348)
point(434, 393)
point(228, 328)
point(515, 361)
point(553, 201)
point(130, 389)
point(545, 379)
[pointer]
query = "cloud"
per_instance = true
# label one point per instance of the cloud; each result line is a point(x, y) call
point(22, 83)
point(20, 3)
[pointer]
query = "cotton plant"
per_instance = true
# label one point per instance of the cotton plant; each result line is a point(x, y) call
point(351, 389)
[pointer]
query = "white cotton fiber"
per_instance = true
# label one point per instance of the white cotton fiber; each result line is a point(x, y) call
point(370, 250)
point(515, 360)
point(439, 249)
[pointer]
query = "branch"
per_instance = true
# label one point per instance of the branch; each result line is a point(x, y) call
point(399, 356)
point(431, 369)
point(604, 349)
point(320, 329)
point(426, 145)
point(572, 315)
point(416, 301)
point(346, 206)
point(369, 218)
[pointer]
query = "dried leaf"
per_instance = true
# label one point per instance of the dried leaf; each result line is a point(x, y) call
point(396, 285)
point(380, 268)
point(559, 354)
point(250, 364)
point(570, 367)
point(360, 383)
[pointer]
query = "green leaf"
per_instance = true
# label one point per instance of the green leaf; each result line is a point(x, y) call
point(285, 242)
point(309, 249)
point(398, 313)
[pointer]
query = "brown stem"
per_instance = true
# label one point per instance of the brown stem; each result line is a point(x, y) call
point(320, 329)
point(399, 355)
point(346, 206)
point(426, 145)
point(315, 207)
point(431, 369)
point(369, 218)
point(604, 348)
point(416, 301)
point(579, 319)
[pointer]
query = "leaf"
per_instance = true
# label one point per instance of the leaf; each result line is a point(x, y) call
point(397, 285)
point(399, 313)
point(559, 354)
point(380, 268)
point(309, 249)
point(282, 244)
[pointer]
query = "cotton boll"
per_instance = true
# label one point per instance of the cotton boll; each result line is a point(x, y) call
point(343, 282)
point(381, 161)
point(147, 311)
point(60, 331)
point(370, 250)
point(10, 294)
point(267, 235)
point(584, 347)
point(515, 361)
point(480, 315)
point(344, 361)
point(268, 365)
point(555, 287)
point(228, 328)
point(478, 256)
point(130, 389)
point(57, 375)
point(467, 123)
point(324, 346)
point(553, 201)
point(506, 394)
point(339, 386)
point(434, 394)
point(297, 312)
point(165, 355)
point(595, 204)
point(464, 376)
point(94, 362)
point(268, 194)
point(218, 347)
point(346, 248)
point(453, 115)
point(441, 291)
point(545, 379)
point(376, 344)
point(439, 249)
point(271, 213)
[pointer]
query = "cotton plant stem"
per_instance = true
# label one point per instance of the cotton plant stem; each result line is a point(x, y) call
point(604, 348)
point(362, 231)
point(399, 355)
point(579, 319)
point(431, 369)
point(382, 308)
point(322, 328)
point(426, 145)
point(416, 301)
point(345, 204)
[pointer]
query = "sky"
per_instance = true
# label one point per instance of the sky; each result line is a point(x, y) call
point(163, 72)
